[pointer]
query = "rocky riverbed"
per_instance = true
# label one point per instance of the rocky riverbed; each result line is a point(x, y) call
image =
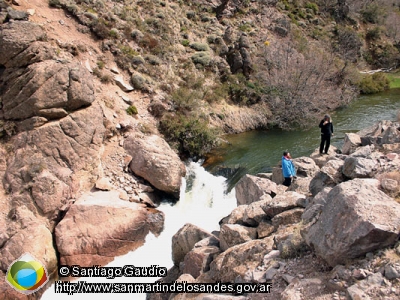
point(333, 234)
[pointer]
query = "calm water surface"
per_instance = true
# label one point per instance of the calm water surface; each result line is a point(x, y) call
point(259, 151)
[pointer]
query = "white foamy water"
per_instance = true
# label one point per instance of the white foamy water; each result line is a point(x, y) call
point(203, 202)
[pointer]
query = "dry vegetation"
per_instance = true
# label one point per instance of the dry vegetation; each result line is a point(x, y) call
point(295, 58)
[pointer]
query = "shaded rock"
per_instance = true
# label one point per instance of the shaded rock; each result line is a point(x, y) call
point(254, 213)
point(392, 134)
point(357, 218)
point(360, 289)
point(83, 237)
point(392, 271)
point(208, 241)
point(250, 189)
point(358, 167)
point(155, 220)
point(291, 216)
point(198, 260)
point(351, 142)
point(303, 289)
point(184, 240)
point(235, 217)
point(315, 206)
point(301, 185)
point(281, 203)
point(277, 175)
point(155, 161)
point(237, 260)
point(264, 229)
point(329, 176)
point(234, 234)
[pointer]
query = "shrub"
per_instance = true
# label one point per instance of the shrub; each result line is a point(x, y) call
point(138, 82)
point(312, 6)
point(185, 43)
point(374, 34)
point(202, 58)
point(189, 134)
point(132, 110)
point(375, 83)
point(199, 46)
point(372, 13)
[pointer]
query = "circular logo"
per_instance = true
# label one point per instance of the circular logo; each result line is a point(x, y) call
point(26, 274)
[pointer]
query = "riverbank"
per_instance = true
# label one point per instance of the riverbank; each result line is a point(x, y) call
point(310, 241)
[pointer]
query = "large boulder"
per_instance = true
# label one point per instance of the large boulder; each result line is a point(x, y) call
point(358, 167)
point(237, 260)
point(250, 188)
point(329, 176)
point(100, 226)
point(234, 234)
point(185, 239)
point(283, 202)
point(357, 218)
point(197, 260)
point(155, 161)
point(305, 166)
point(351, 142)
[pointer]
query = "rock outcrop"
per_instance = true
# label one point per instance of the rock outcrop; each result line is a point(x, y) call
point(251, 188)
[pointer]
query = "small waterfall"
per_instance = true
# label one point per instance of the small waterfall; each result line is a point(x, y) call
point(203, 202)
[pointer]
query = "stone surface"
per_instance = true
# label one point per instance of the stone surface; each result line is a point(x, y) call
point(237, 260)
point(357, 218)
point(281, 203)
point(287, 217)
point(155, 161)
point(197, 260)
point(234, 234)
point(250, 188)
point(305, 166)
point(329, 176)
point(83, 237)
point(184, 240)
point(358, 167)
point(351, 142)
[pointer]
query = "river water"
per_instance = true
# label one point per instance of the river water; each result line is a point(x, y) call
point(204, 199)
point(259, 151)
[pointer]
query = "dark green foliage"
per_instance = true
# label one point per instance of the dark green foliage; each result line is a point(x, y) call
point(244, 92)
point(190, 135)
point(373, 13)
point(374, 34)
point(132, 110)
point(375, 83)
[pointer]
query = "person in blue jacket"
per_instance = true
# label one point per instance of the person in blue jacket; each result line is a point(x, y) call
point(288, 169)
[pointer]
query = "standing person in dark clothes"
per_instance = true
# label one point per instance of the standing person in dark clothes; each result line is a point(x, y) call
point(288, 169)
point(326, 133)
